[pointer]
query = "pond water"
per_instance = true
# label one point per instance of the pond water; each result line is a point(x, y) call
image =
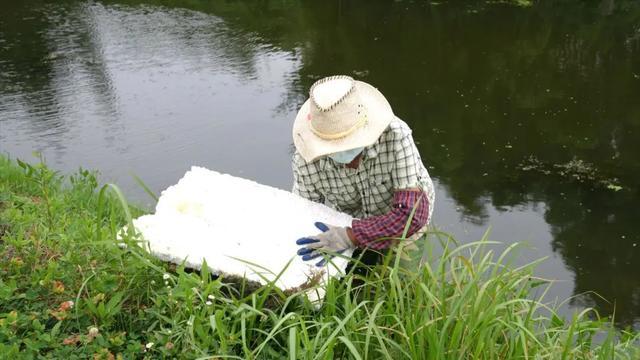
point(528, 118)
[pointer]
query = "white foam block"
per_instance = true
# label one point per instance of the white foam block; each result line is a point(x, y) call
point(239, 227)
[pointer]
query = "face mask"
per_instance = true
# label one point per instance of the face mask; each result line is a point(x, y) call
point(347, 156)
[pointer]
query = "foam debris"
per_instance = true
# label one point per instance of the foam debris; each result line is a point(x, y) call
point(239, 227)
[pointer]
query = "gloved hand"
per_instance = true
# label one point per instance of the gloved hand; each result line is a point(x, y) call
point(333, 239)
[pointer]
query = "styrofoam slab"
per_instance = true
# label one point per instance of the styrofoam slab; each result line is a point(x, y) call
point(239, 226)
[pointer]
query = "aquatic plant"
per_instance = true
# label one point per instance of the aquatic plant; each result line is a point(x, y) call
point(522, 3)
point(575, 169)
point(68, 291)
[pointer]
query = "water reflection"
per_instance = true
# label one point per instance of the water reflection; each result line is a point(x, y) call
point(114, 101)
point(153, 88)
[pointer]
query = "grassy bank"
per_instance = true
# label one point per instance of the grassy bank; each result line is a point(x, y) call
point(67, 291)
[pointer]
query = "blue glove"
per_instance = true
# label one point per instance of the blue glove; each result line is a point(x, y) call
point(333, 239)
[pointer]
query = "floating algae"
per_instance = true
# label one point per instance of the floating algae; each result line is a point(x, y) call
point(241, 228)
point(575, 169)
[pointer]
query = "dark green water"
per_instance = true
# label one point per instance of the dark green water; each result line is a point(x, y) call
point(528, 118)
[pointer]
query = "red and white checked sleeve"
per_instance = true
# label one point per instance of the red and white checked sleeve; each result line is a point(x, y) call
point(378, 232)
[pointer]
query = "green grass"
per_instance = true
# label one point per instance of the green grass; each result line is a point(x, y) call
point(57, 245)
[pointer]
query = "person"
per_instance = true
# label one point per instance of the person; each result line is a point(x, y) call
point(353, 154)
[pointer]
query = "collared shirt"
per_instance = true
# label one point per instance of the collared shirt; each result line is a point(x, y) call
point(389, 165)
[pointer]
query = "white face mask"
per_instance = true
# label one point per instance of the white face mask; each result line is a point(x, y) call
point(347, 156)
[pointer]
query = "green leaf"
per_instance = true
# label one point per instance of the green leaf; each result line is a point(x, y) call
point(56, 329)
point(292, 343)
point(351, 347)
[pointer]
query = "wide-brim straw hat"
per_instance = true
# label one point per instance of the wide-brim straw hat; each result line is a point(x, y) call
point(340, 114)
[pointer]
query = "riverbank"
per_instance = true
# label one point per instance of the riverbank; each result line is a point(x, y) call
point(67, 291)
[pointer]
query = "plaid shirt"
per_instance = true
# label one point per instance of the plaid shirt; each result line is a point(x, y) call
point(374, 193)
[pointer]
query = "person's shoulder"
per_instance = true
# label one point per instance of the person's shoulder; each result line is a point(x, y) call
point(397, 129)
point(298, 160)
point(300, 163)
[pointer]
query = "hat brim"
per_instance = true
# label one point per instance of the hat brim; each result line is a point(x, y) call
point(379, 116)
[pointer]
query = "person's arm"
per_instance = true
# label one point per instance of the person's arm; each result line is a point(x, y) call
point(379, 232)
point(304, 180)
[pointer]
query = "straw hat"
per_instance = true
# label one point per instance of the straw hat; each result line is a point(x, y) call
point(340, 114)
